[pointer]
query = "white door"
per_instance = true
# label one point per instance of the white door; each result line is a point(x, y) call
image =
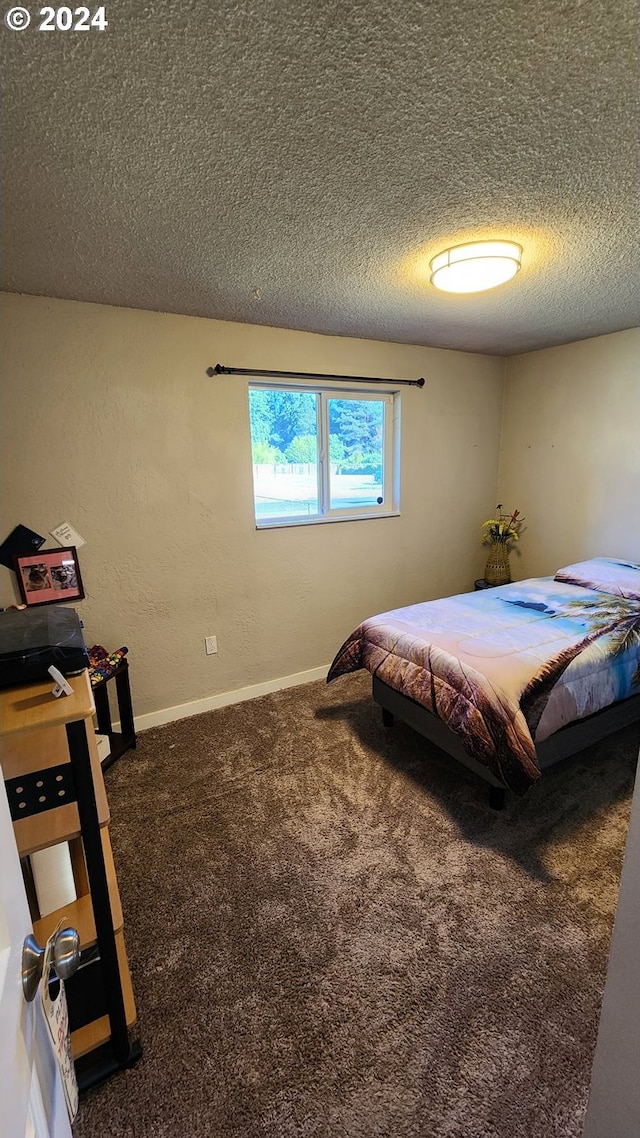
point(31, 1095)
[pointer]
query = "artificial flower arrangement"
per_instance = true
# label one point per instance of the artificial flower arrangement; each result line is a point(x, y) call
point(503, 529)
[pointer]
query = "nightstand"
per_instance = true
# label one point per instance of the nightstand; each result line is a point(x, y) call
point(122, 740)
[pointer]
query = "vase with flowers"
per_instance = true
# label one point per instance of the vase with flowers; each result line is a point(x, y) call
point(500, 533)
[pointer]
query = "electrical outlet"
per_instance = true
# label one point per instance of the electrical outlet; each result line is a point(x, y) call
point(211, 645)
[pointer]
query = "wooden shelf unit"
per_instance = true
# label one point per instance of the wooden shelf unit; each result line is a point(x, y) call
point(54, 738)
point(97, 1033)
point(79, 913)
point(40, 750)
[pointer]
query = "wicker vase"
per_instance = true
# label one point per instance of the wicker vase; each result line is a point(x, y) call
point(497, 570)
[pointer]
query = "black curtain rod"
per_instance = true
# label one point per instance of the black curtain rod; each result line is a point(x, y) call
point(220, 369)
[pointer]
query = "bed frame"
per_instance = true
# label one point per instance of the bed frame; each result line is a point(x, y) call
point(568, 741)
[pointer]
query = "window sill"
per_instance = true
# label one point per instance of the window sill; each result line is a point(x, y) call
point(288, 523)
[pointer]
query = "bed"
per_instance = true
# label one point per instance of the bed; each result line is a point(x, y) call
point(509, 680)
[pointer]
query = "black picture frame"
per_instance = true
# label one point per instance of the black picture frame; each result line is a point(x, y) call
point(49, 576)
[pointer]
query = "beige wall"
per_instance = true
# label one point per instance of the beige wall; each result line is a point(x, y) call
point(571, 451)
point(110, 423)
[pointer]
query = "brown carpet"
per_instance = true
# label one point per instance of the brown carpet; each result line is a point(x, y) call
point(332, 934)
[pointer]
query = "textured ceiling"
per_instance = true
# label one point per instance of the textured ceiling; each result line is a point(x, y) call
point(297, 163)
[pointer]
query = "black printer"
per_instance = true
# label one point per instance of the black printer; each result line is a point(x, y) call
point(31, 640)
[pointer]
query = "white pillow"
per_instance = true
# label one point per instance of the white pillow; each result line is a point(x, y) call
point(605, 575)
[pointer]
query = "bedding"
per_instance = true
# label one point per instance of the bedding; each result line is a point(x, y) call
point(505, 668)
point(605, 574)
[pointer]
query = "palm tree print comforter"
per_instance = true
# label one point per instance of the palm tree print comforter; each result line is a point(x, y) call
point(507, 667)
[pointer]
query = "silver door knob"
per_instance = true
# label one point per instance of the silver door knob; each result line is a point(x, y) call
point(65, 959)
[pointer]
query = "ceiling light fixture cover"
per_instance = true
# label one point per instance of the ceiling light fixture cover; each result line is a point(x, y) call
point(476, 266)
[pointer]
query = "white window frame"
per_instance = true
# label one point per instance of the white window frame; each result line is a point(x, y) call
point(390, 506)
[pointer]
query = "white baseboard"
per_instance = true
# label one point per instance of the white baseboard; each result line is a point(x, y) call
point(223, 699)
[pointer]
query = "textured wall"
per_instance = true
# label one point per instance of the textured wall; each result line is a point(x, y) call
point(571, 451)
point(111, 423)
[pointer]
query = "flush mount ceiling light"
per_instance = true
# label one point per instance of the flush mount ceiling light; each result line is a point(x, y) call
point(475, 267)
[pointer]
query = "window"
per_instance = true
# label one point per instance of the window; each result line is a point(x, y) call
point(323, 455)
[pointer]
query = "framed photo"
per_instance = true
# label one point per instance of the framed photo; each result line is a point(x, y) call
point(49, 576)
